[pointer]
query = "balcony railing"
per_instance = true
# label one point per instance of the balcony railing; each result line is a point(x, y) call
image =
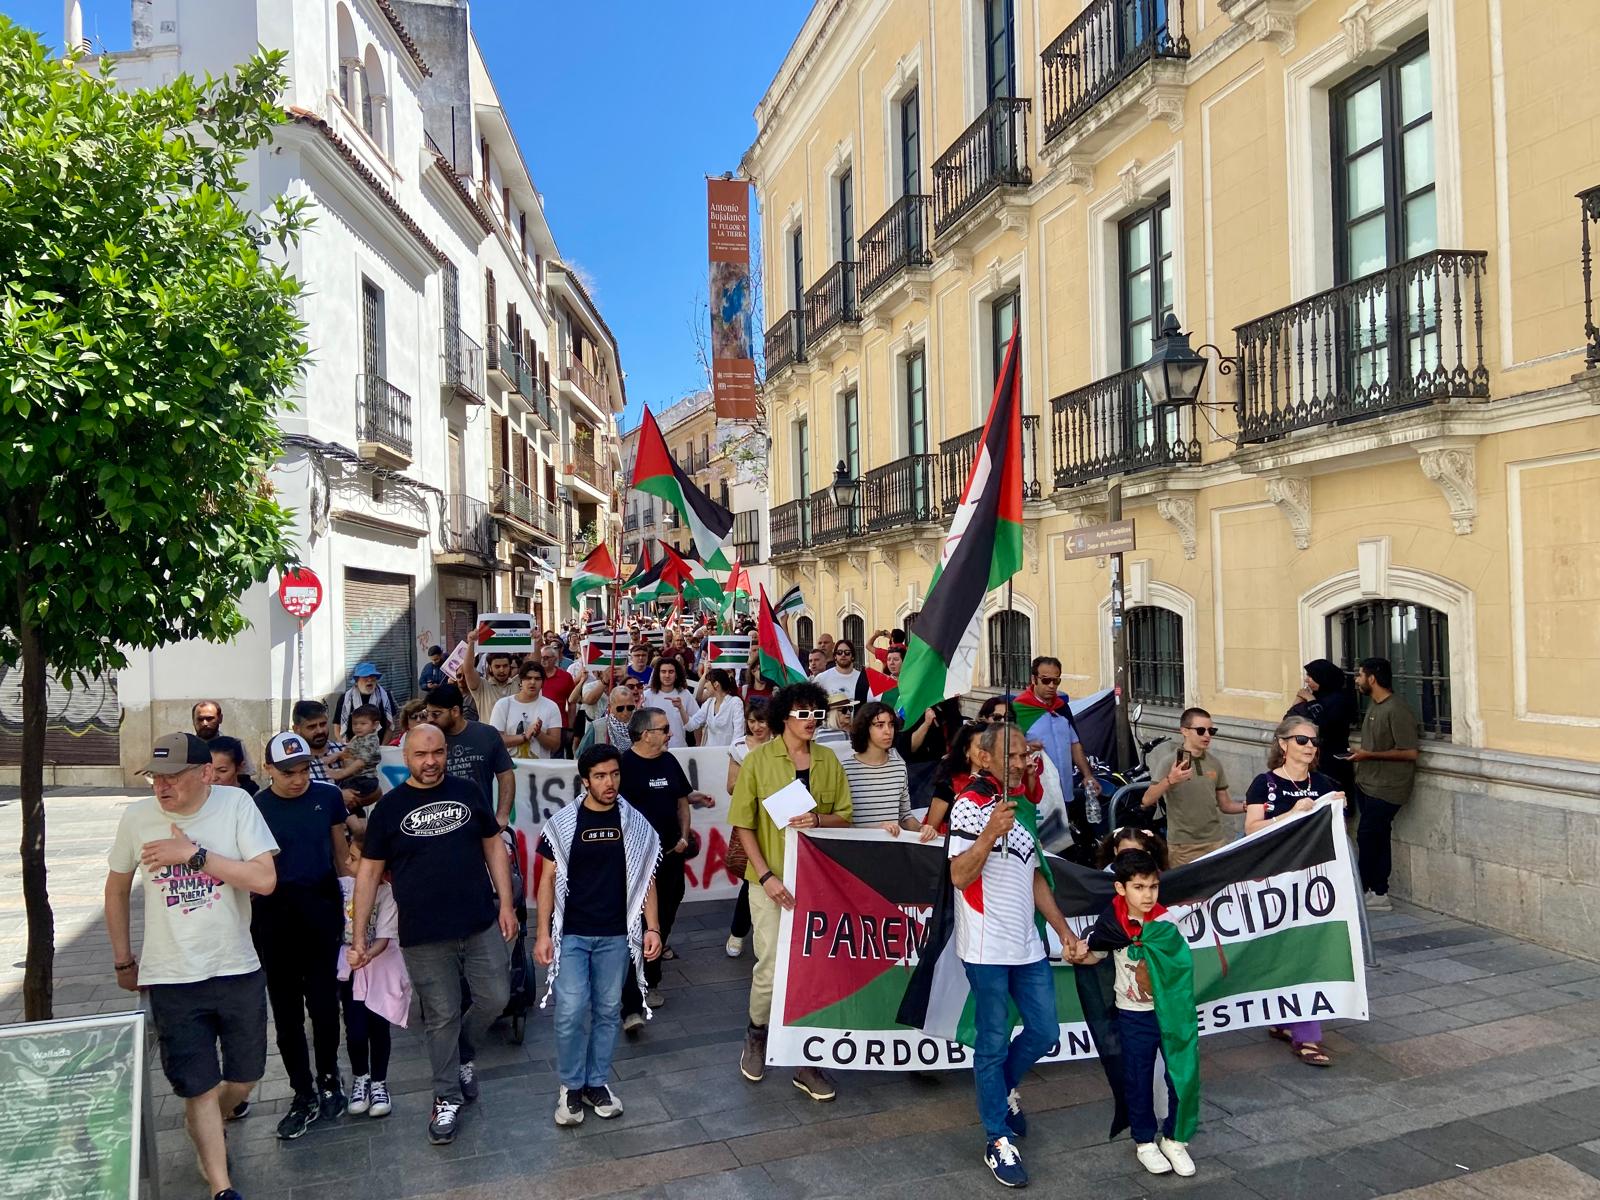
point(468, 528)
point(462, 365)
point(830, 523)
point(542, 408)
point(383, 414)
point(1104, 45)
point(832, 300)
point(786, 342)
point(956, 456)
point(630, 522)
point(1111, 428)
point(991, 153)
point(587, 382)
point(900, 493)
point(515, 498)
point(1398, 338)
point(1589, 220)
point(899, 240)
point(582, 463)
point(788, 526)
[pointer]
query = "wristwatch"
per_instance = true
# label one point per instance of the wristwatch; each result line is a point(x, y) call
point(197, 861)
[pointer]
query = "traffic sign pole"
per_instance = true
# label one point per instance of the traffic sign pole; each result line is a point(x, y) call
point(1119, 639)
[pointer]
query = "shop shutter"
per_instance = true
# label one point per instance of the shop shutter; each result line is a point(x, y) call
point(380, 627)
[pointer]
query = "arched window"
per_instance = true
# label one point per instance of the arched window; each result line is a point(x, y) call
point(374, 99)
point(1155, 655)
point(804, 639)
point(855, 629)
point(349, 61)
point(1416, 641)
point(910, 620)
point(1010, 650)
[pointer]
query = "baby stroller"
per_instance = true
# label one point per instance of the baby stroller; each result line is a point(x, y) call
point(524, 984)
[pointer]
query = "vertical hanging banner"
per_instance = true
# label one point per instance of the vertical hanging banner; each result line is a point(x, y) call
point(733, 366)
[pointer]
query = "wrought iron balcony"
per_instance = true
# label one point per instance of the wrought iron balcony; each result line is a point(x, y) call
point(829, 522)
point(901, 493)
point(587, 382)
point(1110, 427)
point(957, 454)
point(789, 524)
point(497, 357)
point(582, 463)
point(468, 528)
point(992, 153)
point(831, 301)
point(1105, 44)
point(786, 342)
point(1588, 218)
point(1395, 339)
point(383, 416)
point(542, 408)
point(515, 498)
point(898, 241)
point(630, 522)
point(462, 364)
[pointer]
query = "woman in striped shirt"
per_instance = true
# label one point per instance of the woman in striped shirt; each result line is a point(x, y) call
point(880, 794)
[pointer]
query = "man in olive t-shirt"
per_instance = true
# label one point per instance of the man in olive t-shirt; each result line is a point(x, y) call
point(1195, 787)
point(1386, 767)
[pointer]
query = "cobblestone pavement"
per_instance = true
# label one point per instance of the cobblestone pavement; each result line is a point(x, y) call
point(1478, 1076)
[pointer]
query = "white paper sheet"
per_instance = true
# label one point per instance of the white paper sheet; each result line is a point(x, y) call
point(789, 802)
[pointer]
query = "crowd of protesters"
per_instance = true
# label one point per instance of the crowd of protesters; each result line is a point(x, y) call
point(294, 885)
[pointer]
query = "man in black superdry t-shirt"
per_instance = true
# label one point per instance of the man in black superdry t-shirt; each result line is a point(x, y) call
point(440, 841)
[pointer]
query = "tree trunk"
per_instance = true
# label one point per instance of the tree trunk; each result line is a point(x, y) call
point(38, 979)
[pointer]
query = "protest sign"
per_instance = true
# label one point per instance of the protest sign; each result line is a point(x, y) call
point(546, 785)
point(452, 665)
point(1271, 921)
point(71, 1104)
point(730, 652)
point(606, 650)
point(511, 633)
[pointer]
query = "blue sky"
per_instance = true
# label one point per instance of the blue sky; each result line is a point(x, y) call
point(622, 107)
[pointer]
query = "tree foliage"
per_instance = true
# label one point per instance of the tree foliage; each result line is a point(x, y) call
point(146, 344)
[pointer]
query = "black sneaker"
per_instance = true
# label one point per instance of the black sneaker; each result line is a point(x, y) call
point(228, 1194)
point(468, 1075)
point(303, 1113)
point(442, 1128)
point(240, 1111)
point(331, 1101)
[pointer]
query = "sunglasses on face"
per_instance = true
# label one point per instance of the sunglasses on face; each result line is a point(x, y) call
point(621, 708)
point(1303, 739)
point(809, 714)
point(1203, 730)
point(665, 729)
point(1046, 681)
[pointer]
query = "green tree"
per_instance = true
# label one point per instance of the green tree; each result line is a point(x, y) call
point(147, 341)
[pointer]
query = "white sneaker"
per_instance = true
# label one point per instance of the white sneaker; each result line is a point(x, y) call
point(381, 1106)
point(569, 1106)
point(359, 1098)
point(1377, 903)
point(1151, 1158)
point(734, 947)
point(1177, 1154)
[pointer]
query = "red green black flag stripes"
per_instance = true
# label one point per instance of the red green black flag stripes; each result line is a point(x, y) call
point(982, 550)
point(656, 472)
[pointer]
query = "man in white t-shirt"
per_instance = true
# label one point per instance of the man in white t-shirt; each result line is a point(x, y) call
point(204, 850)
point(843, 675)
point(1000, 891)
point(529, 722)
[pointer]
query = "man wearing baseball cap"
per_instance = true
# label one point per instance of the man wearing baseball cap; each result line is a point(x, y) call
point(298, 929)
point(364, 689)
point(204, 850)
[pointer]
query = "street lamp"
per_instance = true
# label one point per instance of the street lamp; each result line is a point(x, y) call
point(1174, 372)
point(845, 490)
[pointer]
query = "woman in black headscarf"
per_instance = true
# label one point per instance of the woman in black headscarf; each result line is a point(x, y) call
point(1329, 702)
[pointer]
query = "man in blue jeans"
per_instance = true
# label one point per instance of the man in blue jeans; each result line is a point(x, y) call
point(597, 917)
point(1000, 893)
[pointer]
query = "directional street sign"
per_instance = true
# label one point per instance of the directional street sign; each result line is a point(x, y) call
point(1094, 541)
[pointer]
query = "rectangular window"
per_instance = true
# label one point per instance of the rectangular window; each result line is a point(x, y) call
point(802, 475)
point(850, 433)
point(797, 269)
point(910, 145)
point(1145, 253)
point(1002, 316)
point(847, 219)
point(917, 428)
point(999, 45)
point(374, 349)
point(1155, 655)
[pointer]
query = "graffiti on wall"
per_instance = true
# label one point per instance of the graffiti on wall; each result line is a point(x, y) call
point(82, 719)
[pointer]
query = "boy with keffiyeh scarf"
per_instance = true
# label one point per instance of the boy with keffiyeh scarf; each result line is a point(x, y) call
point(597, 911)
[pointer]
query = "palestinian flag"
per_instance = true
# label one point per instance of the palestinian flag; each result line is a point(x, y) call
point(729, 651)
point(790, 603)
point(737, 589)
point(881, 686)
point(641, 568)
point(689, 575)
point(655, 473)
point(1029, 709)
point(779, 662)
point(596, 572)
point(606, 649)
point(982, 551)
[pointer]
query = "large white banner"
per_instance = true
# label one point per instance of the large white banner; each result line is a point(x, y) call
point(547, 785)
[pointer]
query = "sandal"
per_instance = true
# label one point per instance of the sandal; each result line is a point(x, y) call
point(1312, 1054)
point(667, 952)
point(1279, 1032)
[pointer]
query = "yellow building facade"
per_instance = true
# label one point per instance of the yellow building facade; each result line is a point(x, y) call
point(1369, 211)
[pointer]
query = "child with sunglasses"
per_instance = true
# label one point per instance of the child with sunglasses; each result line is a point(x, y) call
point(1289, 786)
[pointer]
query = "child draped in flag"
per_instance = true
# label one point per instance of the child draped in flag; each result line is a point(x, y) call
point(1155, 1011)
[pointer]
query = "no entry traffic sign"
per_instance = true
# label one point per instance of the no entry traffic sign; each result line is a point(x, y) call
point(300, 592)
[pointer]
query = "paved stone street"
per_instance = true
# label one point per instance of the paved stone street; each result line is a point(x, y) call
point(1479, 1076)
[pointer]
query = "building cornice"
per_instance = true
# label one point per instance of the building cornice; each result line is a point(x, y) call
point(310, 120)
point(462, 191)
point(797, 65)
point(404, 34)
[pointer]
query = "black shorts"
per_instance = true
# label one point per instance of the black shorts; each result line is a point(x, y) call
point(195, 1020)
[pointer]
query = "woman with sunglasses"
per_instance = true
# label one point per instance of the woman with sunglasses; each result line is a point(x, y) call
point(1289, 786)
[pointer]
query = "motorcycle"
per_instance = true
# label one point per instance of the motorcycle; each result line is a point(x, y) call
point(1127, 800)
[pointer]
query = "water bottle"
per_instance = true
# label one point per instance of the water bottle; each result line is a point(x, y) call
point(1091, 807)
